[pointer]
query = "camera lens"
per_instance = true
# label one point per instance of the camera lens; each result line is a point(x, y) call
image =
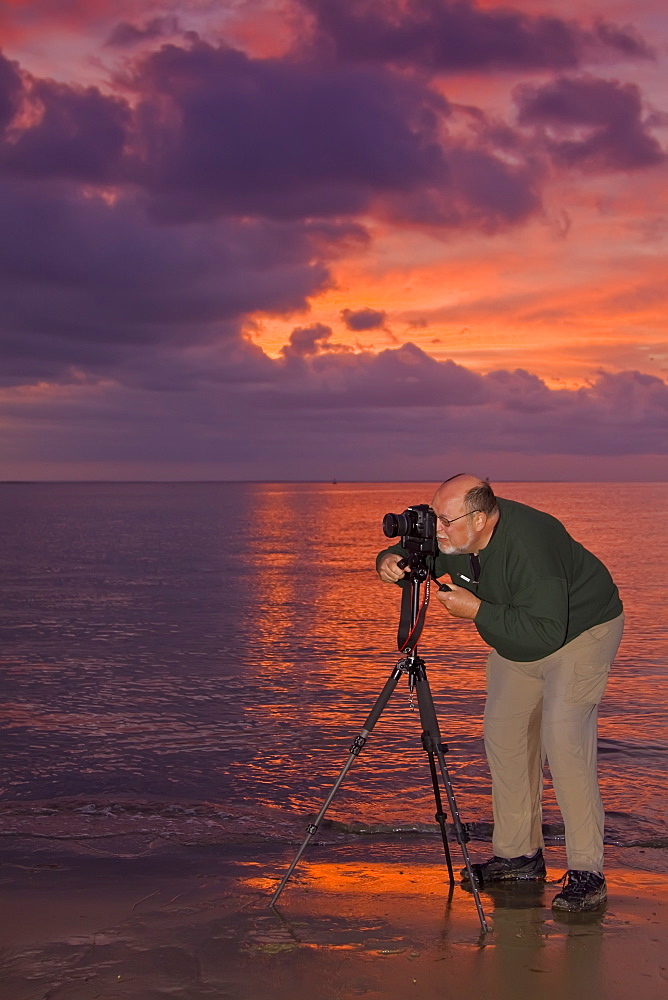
point(390, 526)
point(396, 524)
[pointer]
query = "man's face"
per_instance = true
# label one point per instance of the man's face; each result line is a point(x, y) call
point(461, 535)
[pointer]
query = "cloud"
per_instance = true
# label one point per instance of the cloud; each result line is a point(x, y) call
point(142, 232)
point(78, 133)
point(126, 34)
point(130, 237)
point(94, 285)
point(442, 36)
point(11, 88)
point(307, 341)
point(363, 319)
point(623, 40)
point(222, 133)
point(373, 412)
point(212, 133)
point(609, 113)
point(225, 133)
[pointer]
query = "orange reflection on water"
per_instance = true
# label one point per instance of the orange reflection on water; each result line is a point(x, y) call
point(369, 877)
point(324, 621)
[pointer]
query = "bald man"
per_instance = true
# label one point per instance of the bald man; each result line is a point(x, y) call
point(552, 615)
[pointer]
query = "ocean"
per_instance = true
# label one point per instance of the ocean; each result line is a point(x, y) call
point(191, 661)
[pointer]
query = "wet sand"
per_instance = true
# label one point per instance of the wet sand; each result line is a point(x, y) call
point(119, 918)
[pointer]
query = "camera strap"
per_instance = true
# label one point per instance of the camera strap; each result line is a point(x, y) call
point(408, 636)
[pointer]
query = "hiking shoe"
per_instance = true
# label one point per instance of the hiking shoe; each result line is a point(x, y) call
point(582, 891)
point(507, 869)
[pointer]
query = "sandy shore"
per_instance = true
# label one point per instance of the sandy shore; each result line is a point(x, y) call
point(121, 919)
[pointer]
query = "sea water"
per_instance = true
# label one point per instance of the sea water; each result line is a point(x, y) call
point(193, 660)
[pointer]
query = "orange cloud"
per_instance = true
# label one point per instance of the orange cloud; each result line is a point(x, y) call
point(560, 310)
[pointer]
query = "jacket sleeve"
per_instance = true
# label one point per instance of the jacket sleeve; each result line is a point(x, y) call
point(392, 548)
point(534, 625)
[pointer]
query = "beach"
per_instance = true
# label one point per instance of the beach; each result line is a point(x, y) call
point(130, 917)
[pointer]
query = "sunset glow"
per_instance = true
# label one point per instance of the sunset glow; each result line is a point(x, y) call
point(226, 228)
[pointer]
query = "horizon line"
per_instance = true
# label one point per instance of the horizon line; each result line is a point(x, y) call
point(287, 482)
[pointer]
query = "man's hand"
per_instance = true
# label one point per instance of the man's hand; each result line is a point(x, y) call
point(461, 603)
point(388, 569)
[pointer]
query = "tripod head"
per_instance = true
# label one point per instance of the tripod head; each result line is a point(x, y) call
point(415, 563)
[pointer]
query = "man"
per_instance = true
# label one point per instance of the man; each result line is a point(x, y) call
point(552, 615)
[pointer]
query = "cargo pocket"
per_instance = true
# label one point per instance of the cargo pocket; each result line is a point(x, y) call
point(588, 684)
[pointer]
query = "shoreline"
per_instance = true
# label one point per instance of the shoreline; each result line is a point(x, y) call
point(356, 919)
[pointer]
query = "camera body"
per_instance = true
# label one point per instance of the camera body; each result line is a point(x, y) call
point(417, 527)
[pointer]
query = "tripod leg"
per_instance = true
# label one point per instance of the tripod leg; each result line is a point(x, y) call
point(440, 814)
point(358, 743)
point(431, 739)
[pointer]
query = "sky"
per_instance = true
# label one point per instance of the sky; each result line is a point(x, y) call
point(333, 239)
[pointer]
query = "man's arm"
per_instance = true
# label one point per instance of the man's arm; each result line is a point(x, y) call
point(533, 626)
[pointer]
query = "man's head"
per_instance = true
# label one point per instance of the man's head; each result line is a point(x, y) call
point(467, 512)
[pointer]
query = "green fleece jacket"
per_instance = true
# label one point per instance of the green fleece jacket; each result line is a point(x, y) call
point(539, 587)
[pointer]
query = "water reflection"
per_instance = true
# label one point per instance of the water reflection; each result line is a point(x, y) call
point(340, 550)
point(228, 640)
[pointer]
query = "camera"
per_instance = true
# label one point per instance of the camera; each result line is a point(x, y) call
point(417, 527)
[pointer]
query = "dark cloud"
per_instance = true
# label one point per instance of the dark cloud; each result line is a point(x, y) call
point(363, 319)
point(616, 137)
point(126, 35)
point(76, 133)
point(214, 134)
point(374, 412)
point(11, 88)
point(494, 192)
point(139, 233)
point(306, 341)
point(224, 133)
point(402, 378)
point(624, 40)
point(442, 36)
point(93, 285)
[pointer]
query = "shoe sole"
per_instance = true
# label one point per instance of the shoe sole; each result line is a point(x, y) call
point(566, 907)
point(505, 878)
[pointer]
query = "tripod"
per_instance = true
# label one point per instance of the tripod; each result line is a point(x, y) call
point(413, 666)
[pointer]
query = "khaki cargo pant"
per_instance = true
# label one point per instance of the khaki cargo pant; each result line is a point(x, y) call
point(549, 708)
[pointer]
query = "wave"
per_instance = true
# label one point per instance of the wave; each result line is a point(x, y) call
point(210, 823)
point(645, 750)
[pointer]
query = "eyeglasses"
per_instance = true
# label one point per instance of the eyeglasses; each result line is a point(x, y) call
point(446, 522)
